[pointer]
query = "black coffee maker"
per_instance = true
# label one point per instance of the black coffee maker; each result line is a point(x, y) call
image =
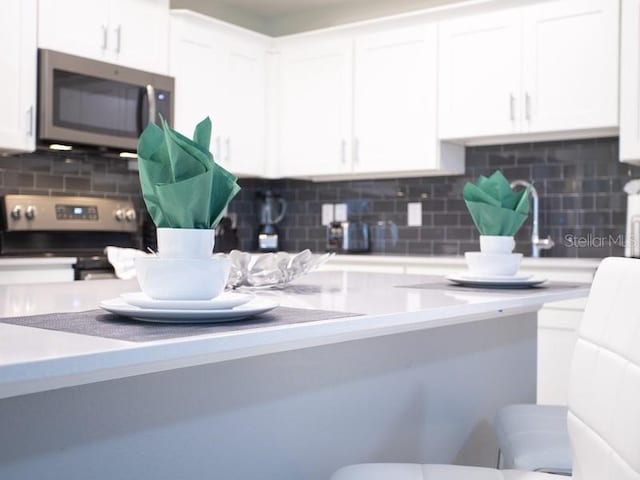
point(271, 210)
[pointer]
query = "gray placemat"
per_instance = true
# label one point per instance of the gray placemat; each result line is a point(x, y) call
point(98, 323)
point(445, 285)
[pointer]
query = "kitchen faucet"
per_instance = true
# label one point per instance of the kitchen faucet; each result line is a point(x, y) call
point(537, 244)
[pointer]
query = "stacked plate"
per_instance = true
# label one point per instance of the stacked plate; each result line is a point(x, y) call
point(519, 280)
point(228, 306)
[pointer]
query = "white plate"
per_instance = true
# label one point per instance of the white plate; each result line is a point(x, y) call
point(462, 279)
point(518, 277)
point(253, 307)
point(225, 300)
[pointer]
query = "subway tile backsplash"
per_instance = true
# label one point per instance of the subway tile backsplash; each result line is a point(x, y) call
point(580, 185)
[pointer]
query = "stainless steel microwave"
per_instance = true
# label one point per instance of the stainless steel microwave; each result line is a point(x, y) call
point(87, 102)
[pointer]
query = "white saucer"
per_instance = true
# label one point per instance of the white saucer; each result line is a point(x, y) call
point(253, 307)
point(225, 300)
point(495, 282)
point(490, 278)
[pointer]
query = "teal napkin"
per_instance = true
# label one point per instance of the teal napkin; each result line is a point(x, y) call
point(182, 185)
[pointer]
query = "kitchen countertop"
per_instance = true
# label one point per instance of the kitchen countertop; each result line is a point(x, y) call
point(33, 360)
point(35, 261)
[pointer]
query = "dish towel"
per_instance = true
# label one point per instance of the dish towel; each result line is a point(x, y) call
point(122, 260)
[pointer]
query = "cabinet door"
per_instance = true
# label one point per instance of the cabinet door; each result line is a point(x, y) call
point(244, 146)
point(480, 75)
point(198, 62)
point(77, 27)
point(571, 65)
point(139, 34)
point(630, 81)
point(395, 101)
point(18, 79)
point(315, 109)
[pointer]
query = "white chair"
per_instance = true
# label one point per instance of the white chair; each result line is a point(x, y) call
point(534, 437)
point(604, 394)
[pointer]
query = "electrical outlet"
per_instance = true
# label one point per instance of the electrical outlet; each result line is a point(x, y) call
point(340, 212)
point(327, 213)
point(414, 214)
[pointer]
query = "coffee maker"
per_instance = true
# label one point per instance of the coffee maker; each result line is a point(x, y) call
point(271, 209)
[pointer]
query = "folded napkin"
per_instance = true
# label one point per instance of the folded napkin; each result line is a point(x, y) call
point(182, 186)
point(122, 260)
point(495, 208)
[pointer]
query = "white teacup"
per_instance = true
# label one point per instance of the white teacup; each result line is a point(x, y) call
point(497, 244)
point(185, 242)
point(182, 278)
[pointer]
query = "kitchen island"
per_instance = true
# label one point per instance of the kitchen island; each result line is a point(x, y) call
point(417, 376)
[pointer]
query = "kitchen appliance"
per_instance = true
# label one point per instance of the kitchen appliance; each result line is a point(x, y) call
point(632, 238)
point(272, 209)
point(38, 225)
point(356, 238)
point(348, 237)
point(86, 102)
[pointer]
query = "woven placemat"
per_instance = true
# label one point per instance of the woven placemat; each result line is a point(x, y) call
point(98, 323)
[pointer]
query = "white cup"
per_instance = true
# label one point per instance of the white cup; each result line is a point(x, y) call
point(496, 244)
point(185, 242)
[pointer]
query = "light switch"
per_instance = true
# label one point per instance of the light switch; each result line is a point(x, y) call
point(340, 212)
point(327, 213)
point(414, 214)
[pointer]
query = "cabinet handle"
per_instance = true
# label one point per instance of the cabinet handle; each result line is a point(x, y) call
point(512, 107)
point(118, 31)
point(151, 97)
point(218, 147)
point(527, 106)
point(228, 145)
point(356, 150)
point(105, 37)
point(30, 121)
point(343, 150)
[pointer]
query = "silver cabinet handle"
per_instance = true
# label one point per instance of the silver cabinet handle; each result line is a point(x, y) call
point(227, 143)
point(356, 150)
point(30, 121)
point(343, 150)
point(512, 107)
point(118, 31)
point(527, 106)
point(105, 37)
point(218, 148)
point(151, 96)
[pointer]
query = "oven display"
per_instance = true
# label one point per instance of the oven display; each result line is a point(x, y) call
point(76, 212)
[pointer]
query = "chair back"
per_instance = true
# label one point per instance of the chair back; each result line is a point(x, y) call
point(604, 389)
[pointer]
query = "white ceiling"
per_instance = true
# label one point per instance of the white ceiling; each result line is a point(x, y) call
point(282, 17)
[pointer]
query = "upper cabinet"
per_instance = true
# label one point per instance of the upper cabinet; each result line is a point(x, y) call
point(630, 82)
point(315, 108)
point(546, 68)
point(18, 80)
point(132, 33)
point(220, 72)
point(362, 106)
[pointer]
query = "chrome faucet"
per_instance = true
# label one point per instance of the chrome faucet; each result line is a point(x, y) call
point(537, 243)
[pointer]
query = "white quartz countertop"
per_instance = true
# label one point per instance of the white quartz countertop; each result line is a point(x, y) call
point(33, 359)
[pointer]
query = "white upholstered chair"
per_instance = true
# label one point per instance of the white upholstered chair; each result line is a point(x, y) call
point(604, 394)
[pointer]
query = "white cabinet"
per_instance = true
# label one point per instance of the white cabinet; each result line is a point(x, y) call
point(361, 106)
point(220, 72)
point(315, 109)
point(479, 70)
point(132, 33)
point(18, 63)
point(630, 82)
point(549, 67)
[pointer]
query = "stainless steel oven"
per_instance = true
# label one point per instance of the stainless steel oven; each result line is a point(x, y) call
point(81, 227)
point(86, 102)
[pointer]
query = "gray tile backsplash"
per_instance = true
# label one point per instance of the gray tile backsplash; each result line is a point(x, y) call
point(580, 184)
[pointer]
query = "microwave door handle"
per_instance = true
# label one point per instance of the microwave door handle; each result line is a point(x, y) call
point(151, 97)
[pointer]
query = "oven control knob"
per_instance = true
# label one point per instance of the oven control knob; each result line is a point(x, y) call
point(30, 212)
point(16, 212)
point(130, 214)
point(119, 214)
